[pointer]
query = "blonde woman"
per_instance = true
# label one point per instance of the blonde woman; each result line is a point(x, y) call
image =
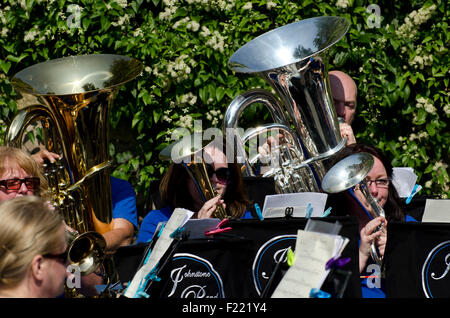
point(20, 175)
point(33, 249)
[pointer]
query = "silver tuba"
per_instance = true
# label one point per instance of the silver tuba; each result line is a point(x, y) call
point(67, 102)
point(293, 60)
point(348, 173)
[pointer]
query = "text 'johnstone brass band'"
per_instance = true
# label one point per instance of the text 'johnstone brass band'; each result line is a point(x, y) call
point(293, 60)
point(68, 101)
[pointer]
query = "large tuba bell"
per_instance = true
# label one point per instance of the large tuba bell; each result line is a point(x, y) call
point(348, 173)
point(189, 152)
point(67, 106)
point(293, 60)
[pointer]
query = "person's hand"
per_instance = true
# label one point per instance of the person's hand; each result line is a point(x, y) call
point(347, 131)
point(271, 142)
point(209, 207)
point(40, 156)
point(369, 235)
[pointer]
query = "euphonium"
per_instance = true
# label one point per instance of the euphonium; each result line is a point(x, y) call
point(188, 151)
point(68, 101)
point(349, 173)
point(293, 60)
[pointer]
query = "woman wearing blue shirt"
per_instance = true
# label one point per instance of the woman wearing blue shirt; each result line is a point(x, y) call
point(178, 190)
point(352, 202)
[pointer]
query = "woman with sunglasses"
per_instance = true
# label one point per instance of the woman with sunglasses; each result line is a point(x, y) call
point(33, 249)
point(19, 175)
point(178, 190)
point(353, 202)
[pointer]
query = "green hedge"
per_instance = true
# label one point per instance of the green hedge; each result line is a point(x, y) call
point(397, 52)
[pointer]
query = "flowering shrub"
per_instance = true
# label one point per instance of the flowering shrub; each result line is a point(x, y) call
point(397, 52)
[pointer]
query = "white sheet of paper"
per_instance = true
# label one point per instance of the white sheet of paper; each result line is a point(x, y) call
point(178, 218)
point(312, 251)
point(404, 179)
point(436, 210)
point(316, 199)
point(298, 212)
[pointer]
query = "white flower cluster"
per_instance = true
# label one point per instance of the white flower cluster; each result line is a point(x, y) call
point(421, 61)
point(270, 5)
point(125, 19)
point(438, 165)
point(188, 98)
point(342, 4)
point(30, 35)
point(412, 22)
point(214, 116)
point(137, 33)
point(190, 24)
point(186, 121)
point(425, 103)
point(217, 42)
point(122, 3)
point(168, 13)
point(166, 116)
point(420, 136)
point(247, 6)
point(179, 69)
point(220, 5)
point(447, 110)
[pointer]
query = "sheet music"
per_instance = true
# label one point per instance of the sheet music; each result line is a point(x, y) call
point(404, 179)
point(177, 219)
point(312, 251)
point(436, 210)
point(298, 212)
point(316, 199)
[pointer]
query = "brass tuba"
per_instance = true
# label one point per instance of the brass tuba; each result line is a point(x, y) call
point(67, 108)
point(293, 60)
point(188, 151)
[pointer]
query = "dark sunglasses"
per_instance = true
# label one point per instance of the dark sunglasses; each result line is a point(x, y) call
point(62, 257)
point(222, 174)
point(15, 184)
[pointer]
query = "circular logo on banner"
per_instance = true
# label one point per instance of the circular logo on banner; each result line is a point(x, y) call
point(268, 255)
point(435, 272)
point(194, 277)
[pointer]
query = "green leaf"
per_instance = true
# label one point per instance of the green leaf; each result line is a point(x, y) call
point(5, 66)
point(430, 129)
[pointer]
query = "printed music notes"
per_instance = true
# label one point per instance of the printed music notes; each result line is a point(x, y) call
point(312, 252)
point(136, 288)
point(275, 205)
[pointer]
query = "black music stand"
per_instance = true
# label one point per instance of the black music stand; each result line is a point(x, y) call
point(416, 262)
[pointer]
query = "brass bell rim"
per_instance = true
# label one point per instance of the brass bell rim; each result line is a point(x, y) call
point(18, 82)
point(91, 258)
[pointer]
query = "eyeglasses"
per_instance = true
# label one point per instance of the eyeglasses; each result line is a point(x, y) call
point(380, 183)
point(222, 174)
point(62, 257)
point(15, 184)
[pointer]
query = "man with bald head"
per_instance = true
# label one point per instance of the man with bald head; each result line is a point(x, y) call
point(343, 91)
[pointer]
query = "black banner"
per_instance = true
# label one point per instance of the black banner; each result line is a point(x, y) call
point(240, 263)
point(417, 260)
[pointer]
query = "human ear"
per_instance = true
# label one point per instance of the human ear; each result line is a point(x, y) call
point(37, 267)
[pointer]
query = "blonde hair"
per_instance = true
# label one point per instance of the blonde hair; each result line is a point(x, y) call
point(28, 228)
point(11, 157)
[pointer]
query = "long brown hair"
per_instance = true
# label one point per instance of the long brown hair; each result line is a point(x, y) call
point(394, 207)
point(174, 191)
